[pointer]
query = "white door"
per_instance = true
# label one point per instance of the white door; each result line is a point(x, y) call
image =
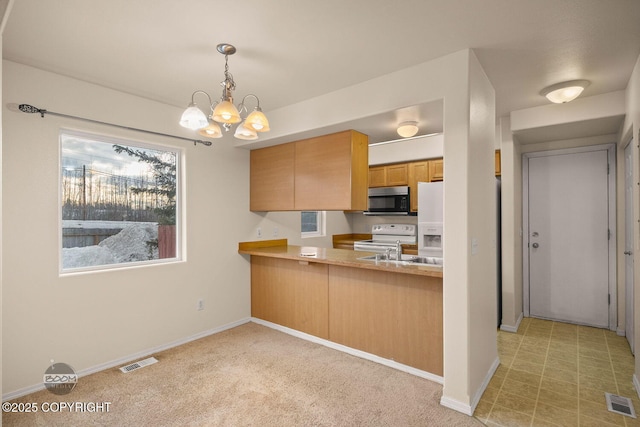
point(628, 244)
point(569, 237)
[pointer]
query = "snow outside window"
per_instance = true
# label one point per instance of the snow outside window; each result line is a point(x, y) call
point(312, 223)
point(119, 202)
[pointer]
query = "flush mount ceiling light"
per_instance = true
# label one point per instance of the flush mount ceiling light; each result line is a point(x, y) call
point(565, 91)
point(223, 111)
point(407, 129)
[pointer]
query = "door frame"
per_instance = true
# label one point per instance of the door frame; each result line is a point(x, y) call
point(611, 181)
point(629, 327)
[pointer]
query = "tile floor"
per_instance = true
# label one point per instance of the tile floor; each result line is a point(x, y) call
point(556, 374)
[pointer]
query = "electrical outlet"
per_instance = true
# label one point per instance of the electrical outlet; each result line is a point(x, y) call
point(200, 304)
point(259, 232)
point(474, 246)
point(275, 232)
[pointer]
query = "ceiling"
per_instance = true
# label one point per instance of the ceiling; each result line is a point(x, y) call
point(289, 51)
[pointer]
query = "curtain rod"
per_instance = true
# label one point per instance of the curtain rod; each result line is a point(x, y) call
point(26, 108)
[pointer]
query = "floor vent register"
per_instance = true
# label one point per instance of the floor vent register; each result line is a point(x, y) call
point(620, 405)
point(139, 364)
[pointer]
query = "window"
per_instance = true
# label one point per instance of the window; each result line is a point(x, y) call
point(119, 202)
point(312, 223)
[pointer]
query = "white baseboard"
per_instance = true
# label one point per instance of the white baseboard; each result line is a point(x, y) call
point(352, 351)
point(447, 402)
point(485, 383)
point(636, 384)
point(514, 329)
point(621, 332)
point(126, 359)
point(470, 409)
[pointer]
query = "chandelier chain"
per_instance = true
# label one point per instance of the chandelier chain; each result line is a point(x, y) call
point(228, 83)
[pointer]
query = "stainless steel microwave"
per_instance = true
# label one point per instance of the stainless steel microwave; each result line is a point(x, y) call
point(389, 201)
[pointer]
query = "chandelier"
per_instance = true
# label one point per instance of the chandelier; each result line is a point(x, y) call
point(223, 111)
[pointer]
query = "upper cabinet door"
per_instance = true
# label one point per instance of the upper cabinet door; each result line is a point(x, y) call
point(397, 174)
point(377, 176)
point(272, 178)
point(331, 172)
point(418, 172)
point(436, 170)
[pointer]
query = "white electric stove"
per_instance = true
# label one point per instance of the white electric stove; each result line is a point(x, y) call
point(384, 236)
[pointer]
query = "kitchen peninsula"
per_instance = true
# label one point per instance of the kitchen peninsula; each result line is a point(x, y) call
point(390, 310)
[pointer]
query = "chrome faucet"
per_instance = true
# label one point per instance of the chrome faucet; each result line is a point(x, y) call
point(398, 250)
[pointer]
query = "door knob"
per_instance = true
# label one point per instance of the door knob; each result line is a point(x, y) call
point(628, 252)
point(535, 245)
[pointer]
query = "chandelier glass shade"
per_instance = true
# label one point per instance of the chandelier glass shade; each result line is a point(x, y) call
point(193, 118)
point(224, 111)
point(243, 132)
point(257, 121)
point(212, 130)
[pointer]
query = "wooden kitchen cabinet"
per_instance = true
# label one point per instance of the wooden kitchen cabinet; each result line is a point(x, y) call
point(272, 178)
point(389, 175)
point(418, 172)
point(394, 316)
point(387, 313)
point(291, 293)
point(331, 172)
point(397, 174)
point(377, 176)
point(436, 170)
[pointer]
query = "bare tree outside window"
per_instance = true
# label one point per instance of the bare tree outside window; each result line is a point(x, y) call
point(119, 202)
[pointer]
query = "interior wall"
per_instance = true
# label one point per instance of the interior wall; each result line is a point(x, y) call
point(632, 127)
point(286, 225)
point(407, 150)
point(511, 204)
point(1, 222)
point(481, 217)
point(91, 319)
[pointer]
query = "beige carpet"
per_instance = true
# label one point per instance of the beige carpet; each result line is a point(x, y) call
point(252, 375)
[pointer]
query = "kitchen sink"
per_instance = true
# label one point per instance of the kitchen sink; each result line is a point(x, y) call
point(404, 259)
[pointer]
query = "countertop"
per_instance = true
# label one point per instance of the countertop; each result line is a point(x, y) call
point(344, 257)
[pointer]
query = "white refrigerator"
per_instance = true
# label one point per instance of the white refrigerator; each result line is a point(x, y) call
point(430, 219)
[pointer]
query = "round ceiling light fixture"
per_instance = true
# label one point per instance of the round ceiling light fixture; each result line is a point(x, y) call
point(407, 129)
point(565, 91)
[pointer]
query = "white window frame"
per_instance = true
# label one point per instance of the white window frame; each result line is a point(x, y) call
point(179, 203)
point(321, 224)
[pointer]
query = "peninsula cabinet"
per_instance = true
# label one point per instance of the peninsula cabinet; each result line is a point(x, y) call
point(328, 172)
point(390, 314)
point(395, 316)
point(291, 293)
